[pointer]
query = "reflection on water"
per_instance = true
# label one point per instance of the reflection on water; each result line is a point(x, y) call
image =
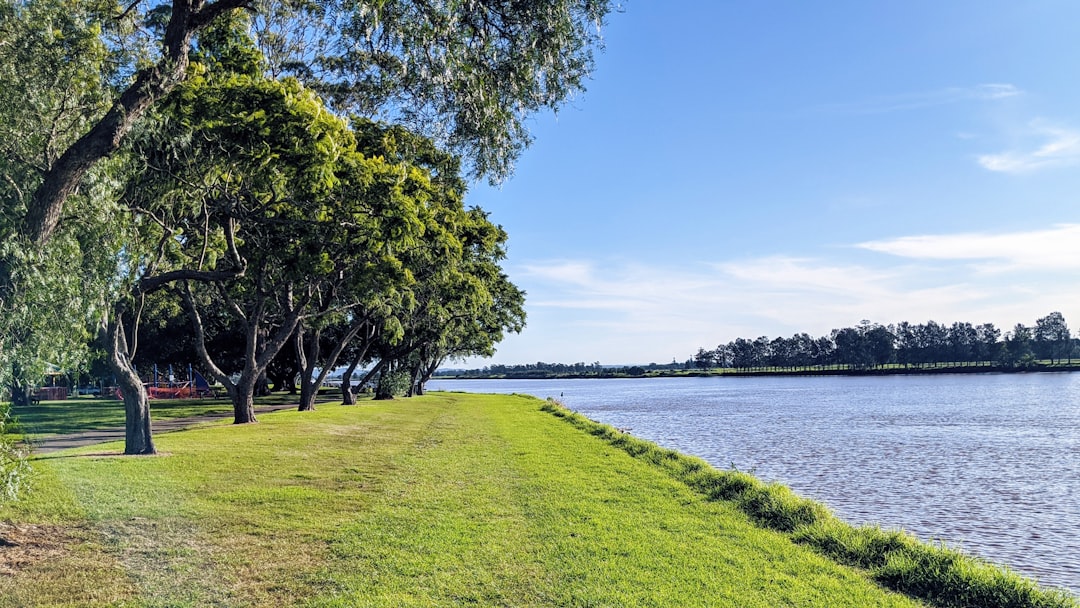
point(989, 463)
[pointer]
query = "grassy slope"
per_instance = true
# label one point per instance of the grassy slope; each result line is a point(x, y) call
point(442, 500)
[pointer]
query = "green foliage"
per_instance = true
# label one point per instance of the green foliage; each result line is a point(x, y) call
point(14, 467)
point(227, 47)
point(54, 71)
point(392, 383)
point(467, 74)
point(943, 576)
point(53, 62)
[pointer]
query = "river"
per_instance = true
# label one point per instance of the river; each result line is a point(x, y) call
point(989, 463)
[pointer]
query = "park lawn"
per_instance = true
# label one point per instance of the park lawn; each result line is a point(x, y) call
point(448, 499)
point(86, 413)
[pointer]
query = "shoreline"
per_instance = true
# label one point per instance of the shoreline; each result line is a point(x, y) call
point(935, 573)
point(970, 368)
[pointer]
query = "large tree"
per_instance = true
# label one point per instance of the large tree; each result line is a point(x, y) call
point(53, 68)
point(377, 295)
point(299, 208)
point(465, 309)
point(77, 76)
point(468, 73)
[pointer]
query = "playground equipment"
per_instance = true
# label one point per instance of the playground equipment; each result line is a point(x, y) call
point(169, 386)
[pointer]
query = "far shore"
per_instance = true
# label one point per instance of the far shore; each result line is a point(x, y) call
point(889, 370)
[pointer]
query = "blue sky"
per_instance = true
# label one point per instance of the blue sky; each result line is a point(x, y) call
point(766, 168)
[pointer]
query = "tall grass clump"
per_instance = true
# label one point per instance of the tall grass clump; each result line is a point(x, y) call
point(14, 464)
point(939, 575)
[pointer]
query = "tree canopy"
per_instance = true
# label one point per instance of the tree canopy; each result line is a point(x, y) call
point(464, 73)
point(230, 160)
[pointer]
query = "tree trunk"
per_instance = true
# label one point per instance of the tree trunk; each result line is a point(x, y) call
point(257, 354)
point(348, 397)
point(414, 382)
point(262, 386)
point(308, 392)
point(382, 392)
point(427, 372)
point(307, 355)
point(20, 392)
point(310, 357)
point(20, 395)
point(243, 400)
point(138, 434)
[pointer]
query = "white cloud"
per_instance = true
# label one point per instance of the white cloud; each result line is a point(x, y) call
point(994, 91)
point(928, 99)
point(1060, 147)
point(577, 273)
point(1054, 248)
point(614, 312)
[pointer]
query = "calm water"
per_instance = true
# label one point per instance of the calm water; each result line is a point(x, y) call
point(989, 463)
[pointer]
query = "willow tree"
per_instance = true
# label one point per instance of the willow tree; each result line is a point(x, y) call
point(467, 73)
point(53, 82)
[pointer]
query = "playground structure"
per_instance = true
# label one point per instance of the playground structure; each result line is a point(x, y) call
point(169, 386)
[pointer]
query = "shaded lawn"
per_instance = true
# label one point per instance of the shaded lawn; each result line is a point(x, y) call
point(433, 501)
point(83, 413)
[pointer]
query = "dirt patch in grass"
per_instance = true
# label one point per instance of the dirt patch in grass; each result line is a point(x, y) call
point(25, 545)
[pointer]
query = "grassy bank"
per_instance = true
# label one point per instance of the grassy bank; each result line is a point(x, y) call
point(447, 500)
point(937, 574)
point(436, 501)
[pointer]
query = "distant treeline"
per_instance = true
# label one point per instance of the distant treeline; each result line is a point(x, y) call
point(870, 345)
point(551, 370)
point(866, 348)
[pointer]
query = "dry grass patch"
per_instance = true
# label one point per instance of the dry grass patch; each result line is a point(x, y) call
point(44, 564)
point(23, 545)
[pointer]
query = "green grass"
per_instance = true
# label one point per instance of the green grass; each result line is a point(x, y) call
point(943, 576)
point(442, 500)
point(84, 413)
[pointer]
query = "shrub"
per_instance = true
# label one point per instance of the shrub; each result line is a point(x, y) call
point(14, 467)
point(392, 384)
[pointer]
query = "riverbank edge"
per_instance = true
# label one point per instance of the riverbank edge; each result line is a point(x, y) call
point(970, 368)
point(935, 573)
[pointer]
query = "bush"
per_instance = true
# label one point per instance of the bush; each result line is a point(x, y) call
point(14, 467)
point(392, 384)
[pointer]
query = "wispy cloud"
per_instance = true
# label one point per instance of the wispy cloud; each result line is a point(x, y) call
point(927, 99)
point(1059, 147)
point(619, 312)
point(1054, 248)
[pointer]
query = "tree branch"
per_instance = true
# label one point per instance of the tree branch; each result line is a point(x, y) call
point(154, 283)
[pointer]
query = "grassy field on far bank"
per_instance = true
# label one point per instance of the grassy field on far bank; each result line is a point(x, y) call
point(435, 501)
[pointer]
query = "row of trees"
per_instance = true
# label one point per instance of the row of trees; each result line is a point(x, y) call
point(264, 184)
point(547, 370)
point(869, 345)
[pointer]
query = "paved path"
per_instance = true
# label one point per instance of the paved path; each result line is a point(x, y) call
point(53, 443)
